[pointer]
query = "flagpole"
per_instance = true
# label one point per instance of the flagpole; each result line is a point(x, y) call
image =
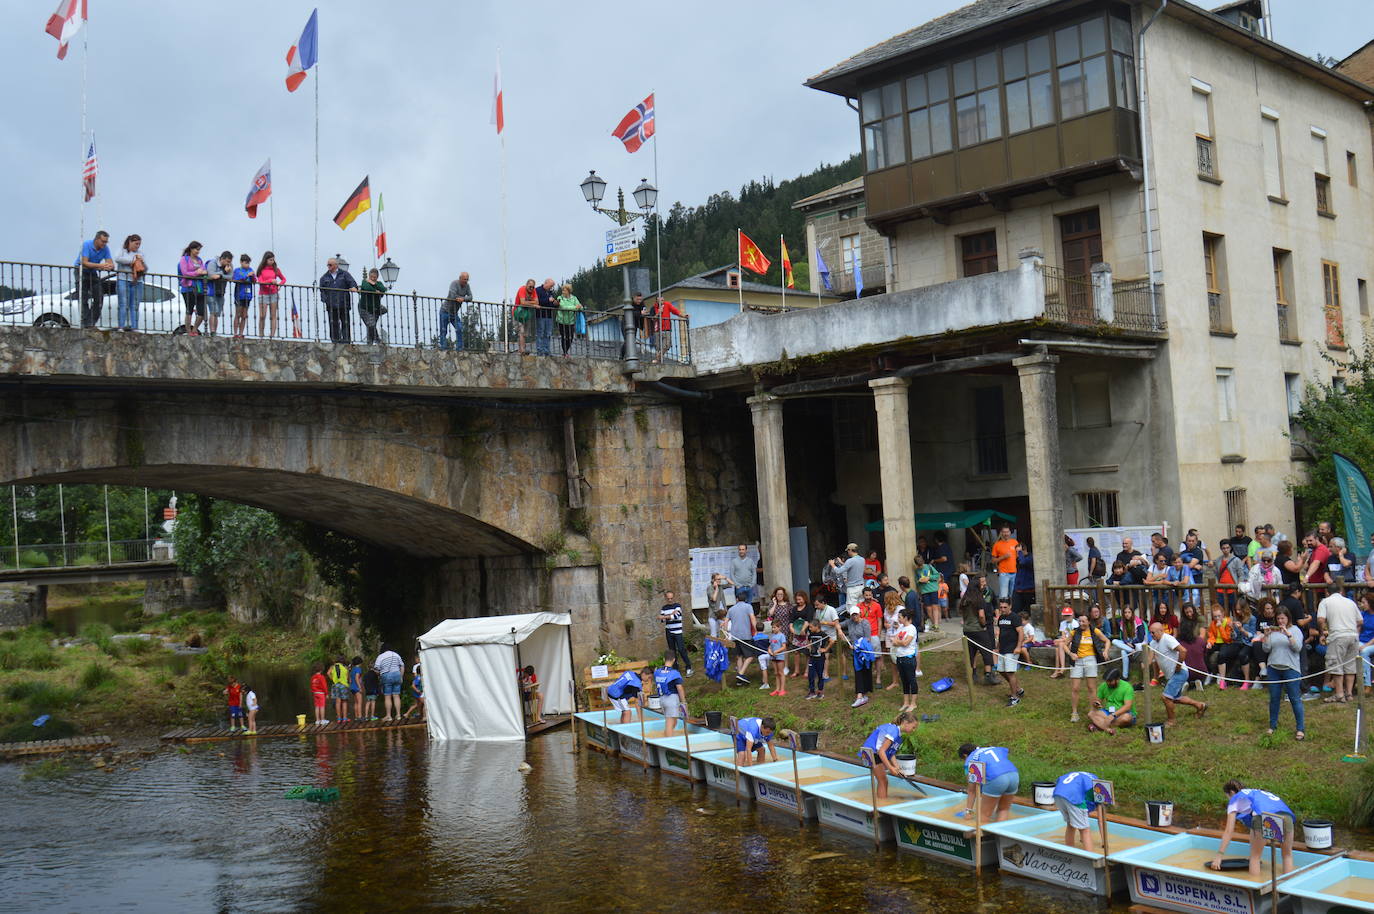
point(500, 112)
point(739, 266)
point(372, 228)
point(81, 273)
point(315, 263)
point(658, 224)
point(272, 218)
point(782, 252)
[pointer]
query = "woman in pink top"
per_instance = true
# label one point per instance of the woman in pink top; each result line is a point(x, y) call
point(270, 281)
point(191, 269)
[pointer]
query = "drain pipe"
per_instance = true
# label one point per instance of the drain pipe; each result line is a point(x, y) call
point(1142, 92)
point(678, 392)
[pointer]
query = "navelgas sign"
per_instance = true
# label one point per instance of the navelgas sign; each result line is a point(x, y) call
point(1050, 865)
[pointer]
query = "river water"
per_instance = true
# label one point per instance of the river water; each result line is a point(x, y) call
point(444, 826)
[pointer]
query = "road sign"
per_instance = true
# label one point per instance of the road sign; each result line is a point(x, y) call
point(630, 255)
point(624, 235)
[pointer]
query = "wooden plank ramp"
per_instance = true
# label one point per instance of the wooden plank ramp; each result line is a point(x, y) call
point(54, 746)
point(550, 722)
point(222, 734)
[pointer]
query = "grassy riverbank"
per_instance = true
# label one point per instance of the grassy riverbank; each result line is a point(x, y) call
point(96, 682)
point(1196, 758)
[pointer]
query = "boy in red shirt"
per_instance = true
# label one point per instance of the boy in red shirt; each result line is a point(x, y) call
point(234, 692)
point(319, 691)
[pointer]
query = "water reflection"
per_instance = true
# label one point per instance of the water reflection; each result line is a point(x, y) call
point(452, 826)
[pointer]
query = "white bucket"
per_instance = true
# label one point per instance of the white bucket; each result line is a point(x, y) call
point(655, 703)
point(906, 764)
point(1044, 793)
point(1316, 834)
point(1159, 813)
point(1155, 732)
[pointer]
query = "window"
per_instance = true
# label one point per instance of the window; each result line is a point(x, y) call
point(977, 99)
point(1362, 295)
point(1214, 267)
point(850, 213)
point(880, 110)
point(1098, 509)
point(1292, 392)
point(851, 254)
point(989, 431)
point(1322, 172)
point(1092, 404)
point(1338, 383)
point(928, 121)
point(1273, 160)
point(1352, 174)
point(1030, 84)
point(979, 253)
point(1237, 510)
point(1123, 61)
point(855, 429)
point(1202, 130)
point(1226, 395)
point(1080, 52)
point(1283, 293)
point(1331, 292)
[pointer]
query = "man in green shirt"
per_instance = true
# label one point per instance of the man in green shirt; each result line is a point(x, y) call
point(1114, 705)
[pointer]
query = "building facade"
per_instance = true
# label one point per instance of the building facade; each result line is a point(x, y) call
point(854, 253)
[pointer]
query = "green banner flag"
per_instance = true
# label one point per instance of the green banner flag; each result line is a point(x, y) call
point(1356, 503)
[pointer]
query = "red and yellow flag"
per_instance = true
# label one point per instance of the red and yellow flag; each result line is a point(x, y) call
point(750, 256)
point(787, 279)
point(359, 202)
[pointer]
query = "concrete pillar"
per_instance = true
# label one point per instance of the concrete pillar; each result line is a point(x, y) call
point(1040, 415)
point(771, 469)
point(1104, 304)
point(894, 471)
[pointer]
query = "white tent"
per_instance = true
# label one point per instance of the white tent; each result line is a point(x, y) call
point(469, 667)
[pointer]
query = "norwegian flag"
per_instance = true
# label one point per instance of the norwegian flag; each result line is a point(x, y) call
point(637, 126)
point(88, 172)
point(65, 23)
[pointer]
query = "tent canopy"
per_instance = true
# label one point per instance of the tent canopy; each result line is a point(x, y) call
point(469, 666)
point(950, 520)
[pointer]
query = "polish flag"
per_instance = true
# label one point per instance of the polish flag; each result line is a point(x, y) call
point(498, 102)
point(66, 22)
point(303, 53)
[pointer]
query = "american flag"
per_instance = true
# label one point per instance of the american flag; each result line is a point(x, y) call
point(88, 173)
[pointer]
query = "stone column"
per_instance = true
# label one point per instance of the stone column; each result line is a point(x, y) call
point(894, 471)
point(1040, 417)
point(771, 470)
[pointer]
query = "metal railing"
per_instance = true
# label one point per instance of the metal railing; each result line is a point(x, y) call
point(1068, 297)
point(842, 281)
point(1216, 314)
point(77, 555)
point(1131, 306)
point(1285, 321)
point(44, 295)
point(1206, 159)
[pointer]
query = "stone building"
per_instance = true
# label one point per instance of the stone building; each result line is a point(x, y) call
point(835, 226)
point(1121, 237)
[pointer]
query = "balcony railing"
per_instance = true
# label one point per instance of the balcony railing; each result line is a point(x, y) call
point(1285, 321)
point(1133, 309)
point(875, 280)
point(1068, 297)
point(44, 295)
point(1216, 314)
point(1206, 161)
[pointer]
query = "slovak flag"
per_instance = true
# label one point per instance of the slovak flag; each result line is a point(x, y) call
point(65, 23)
point(260, 191)
point(303, 53)
point(636, 127)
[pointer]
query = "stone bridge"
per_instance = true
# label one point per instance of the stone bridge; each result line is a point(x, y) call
point(528, 482)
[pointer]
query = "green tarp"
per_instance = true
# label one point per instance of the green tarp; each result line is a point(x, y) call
point(949, 520)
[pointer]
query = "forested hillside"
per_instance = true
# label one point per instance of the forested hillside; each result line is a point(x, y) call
point(699, 238)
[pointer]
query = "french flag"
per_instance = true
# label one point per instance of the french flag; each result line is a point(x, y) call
point(303, 53)
point(65, 23)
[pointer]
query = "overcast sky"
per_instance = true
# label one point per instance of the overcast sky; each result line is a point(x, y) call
point(187, 99)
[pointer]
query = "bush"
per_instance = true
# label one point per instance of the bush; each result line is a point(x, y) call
point(44, 698)
point(32, 558)
point(139, 647)
point(23, 731)
point(234, 647)
point(95, 675)
point(329, 646)
point(29, 651)
point(99, 634)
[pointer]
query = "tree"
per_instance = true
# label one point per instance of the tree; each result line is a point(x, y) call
point(1336, 418)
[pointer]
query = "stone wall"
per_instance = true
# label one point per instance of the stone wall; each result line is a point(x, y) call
point(164, 595)
point(22, 605)
point(722, 501)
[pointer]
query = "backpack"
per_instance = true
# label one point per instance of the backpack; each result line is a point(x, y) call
point(338, 674)
point(1097, 568)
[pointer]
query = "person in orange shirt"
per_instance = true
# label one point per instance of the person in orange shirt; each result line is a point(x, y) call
point(319, 691)
point(1004, 555)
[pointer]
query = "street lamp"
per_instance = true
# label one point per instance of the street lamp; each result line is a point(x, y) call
point(646, 195)
point(593, 189)
point(343, 264)
point(389, 271)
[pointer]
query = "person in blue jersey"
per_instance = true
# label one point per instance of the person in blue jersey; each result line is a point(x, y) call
point(672, 691)
point(628, 686)
point(1245, 805)
point(884, 742)
point(1003, 780)
point(752, 735)
point(1073, 797)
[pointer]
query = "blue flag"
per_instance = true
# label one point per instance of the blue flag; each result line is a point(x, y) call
point(717, 659)
point(858, 272)
point(1356, 504)
point(863, 654)
point(822, 270)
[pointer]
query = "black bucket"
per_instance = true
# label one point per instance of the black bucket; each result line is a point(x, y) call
point(1159, 813)
point(809, 740)
point(713, 719)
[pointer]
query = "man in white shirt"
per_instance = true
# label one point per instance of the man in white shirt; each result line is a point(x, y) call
point(1340, 621)
point(1169, 653)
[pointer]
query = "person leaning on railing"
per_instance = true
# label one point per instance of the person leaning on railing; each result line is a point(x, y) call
point(526, 306)
point(94, 257)
point(666, 312)
point(129, 270)
point(370, 307)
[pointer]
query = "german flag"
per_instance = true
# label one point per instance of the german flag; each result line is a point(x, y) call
point(359, 202)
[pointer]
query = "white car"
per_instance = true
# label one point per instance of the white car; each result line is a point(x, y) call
point(161, 310)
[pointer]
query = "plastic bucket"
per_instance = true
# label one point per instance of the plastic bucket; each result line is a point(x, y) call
point(713, 719)
point(1044, 793)
point(300, 721)
point(1316, 834)
point(809, 740)
point(655, 703)
point(906, 764)
point(1159, 813)
point(1154, 733)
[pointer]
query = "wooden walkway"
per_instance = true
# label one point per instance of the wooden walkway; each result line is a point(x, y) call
point(219, 733)
point(54, 746)
point(550, 722)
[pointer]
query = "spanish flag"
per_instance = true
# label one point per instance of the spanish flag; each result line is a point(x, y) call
point(750, 257)
point(787, 279)
point(359, 202)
